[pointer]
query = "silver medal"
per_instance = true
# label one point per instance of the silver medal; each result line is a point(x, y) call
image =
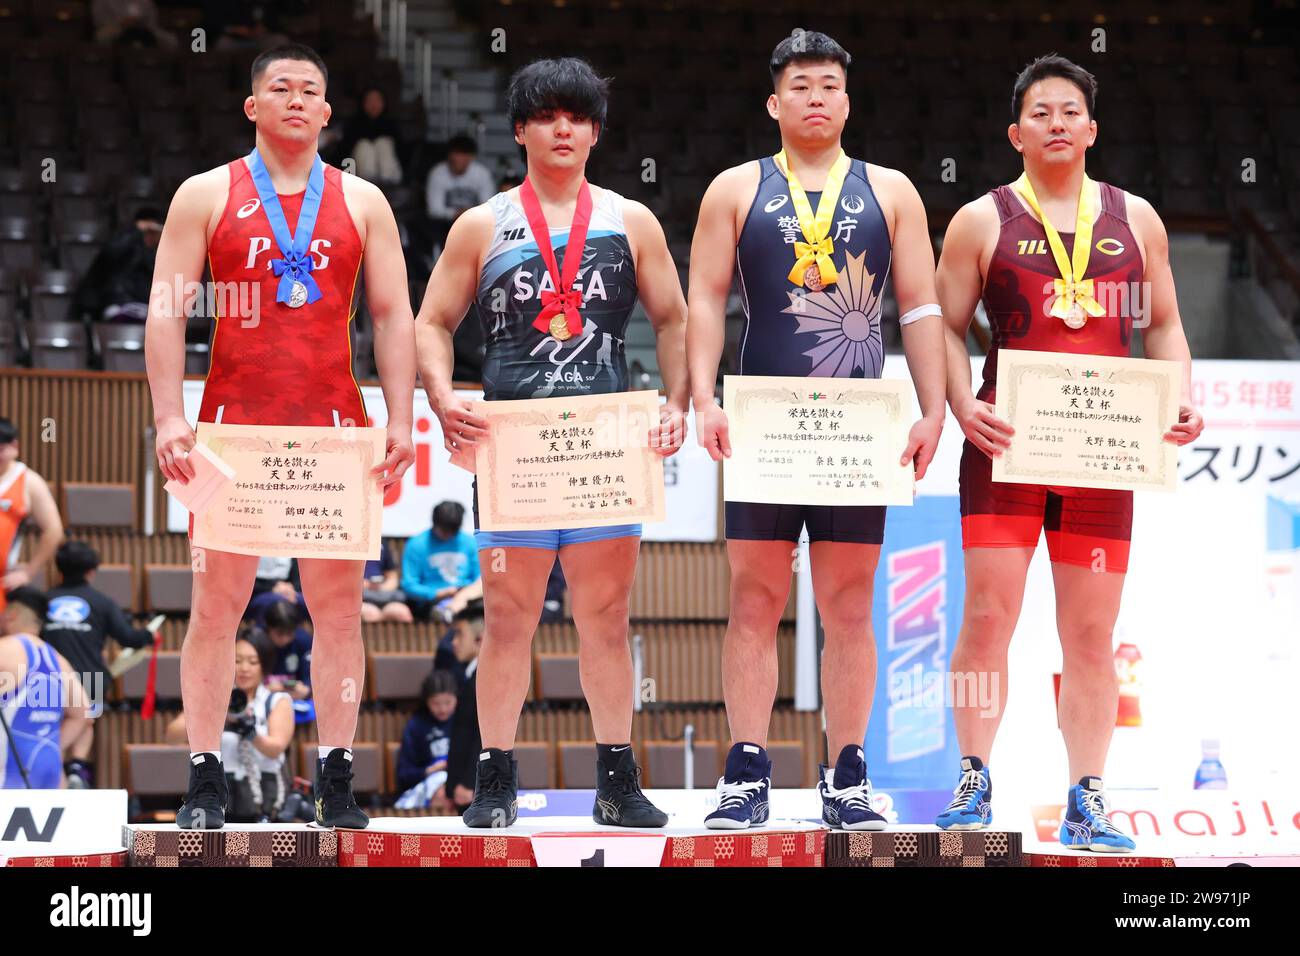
point(298, 296)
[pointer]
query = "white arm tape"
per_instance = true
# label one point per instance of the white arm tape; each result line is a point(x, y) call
point(920, 312)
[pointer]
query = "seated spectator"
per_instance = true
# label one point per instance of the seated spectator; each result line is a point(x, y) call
point(116, 286)
point(279, 575)
point(440, 567)
point(422, 760)
point(281, 620)
point(463, 751)
point(381, 598)
point(42, 699)
point(243, 24)
point(457, 183)
point(79, 620)
point(259, 727)
point(129, 23)
point(372, 139)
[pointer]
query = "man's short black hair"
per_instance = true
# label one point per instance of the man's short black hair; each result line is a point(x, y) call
point(8, 431)
point(566, 83)
point(462, 144)
point(472, 612)
point(807, 46)
point(1048, 66)
point(438, 682)
point(282, 616)
point(31, 598)
point(449, 516)
point(288, 51)
point(75, 559)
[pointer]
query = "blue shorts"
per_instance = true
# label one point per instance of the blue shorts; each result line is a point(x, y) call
point(548, 540)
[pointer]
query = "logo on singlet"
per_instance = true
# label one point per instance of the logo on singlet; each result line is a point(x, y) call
point(512, 235)
point(1031, 247)
point(776, 203)
point(248, 208)
point(853, 204)
point(1109, 246)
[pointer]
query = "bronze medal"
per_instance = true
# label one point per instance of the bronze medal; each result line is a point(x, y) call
point(812, 278)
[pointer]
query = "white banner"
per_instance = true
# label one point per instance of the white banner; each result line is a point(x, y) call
point(61, 822)
point(690, 478)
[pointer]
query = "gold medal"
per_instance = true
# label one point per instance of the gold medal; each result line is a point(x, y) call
point(560, 327)
point(812, 278)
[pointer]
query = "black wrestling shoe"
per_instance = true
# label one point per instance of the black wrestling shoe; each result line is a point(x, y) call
point(335, 805)
point(496, 788)
point(206, 798)
point(619, 800)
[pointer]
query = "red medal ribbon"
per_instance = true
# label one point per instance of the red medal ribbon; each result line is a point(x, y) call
point(565, 299)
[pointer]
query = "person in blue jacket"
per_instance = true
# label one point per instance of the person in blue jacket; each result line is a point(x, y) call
point(440, 567)
point(422, 759)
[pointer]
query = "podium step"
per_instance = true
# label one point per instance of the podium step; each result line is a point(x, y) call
point(924, 846)
point(81, 861)
point(236, 845)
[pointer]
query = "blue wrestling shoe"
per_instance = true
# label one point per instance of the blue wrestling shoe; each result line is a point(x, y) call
point(742, 790)
point(1087, 823)
point(846, 793)
point(971, 807)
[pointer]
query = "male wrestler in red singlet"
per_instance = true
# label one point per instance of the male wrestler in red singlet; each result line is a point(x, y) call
point(281, 355)
point(1001, 247)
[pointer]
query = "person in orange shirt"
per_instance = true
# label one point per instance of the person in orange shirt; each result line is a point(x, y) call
point(23, 494)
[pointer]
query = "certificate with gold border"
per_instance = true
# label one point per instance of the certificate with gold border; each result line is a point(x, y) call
point(298, 492)
point(817, 441)
point(1087, 421)
point(572, 462)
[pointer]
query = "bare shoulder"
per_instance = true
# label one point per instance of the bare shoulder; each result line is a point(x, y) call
point(736, 181)
point(1142, 214)
point(362, 191)
point(202, 191)
point(888, 179)
point(471, 233)
point(977, 217)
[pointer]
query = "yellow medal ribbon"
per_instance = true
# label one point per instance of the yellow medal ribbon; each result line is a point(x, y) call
point(1075, 299)
point(816, 229)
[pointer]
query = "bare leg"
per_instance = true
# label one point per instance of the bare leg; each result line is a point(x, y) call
point(760, 588)
point(332, 590)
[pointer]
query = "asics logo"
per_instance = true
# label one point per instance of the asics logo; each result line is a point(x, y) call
point(608, 808)
point(248, 208)
point(776, 203)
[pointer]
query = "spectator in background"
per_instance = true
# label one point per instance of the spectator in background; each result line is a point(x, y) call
point(243, 24)
point(381, 598)
point(259, 726)
point(23, 495)
point(129, 23)
point(290, 669)
point(373, 139)
point(77, 623)
point(463, 751)
point(441, 565)
point(457, 183)
point(43, 701)
point(279, 575)
point(116, 286)
point(422, 759)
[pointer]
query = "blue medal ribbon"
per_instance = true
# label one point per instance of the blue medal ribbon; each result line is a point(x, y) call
point(296, 266)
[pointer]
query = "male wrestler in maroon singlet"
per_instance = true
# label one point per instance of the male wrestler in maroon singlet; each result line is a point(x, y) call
point(998, 248)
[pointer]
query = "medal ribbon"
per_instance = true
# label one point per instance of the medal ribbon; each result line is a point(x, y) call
point(816, 229)
point(296, 266)
point(1071, 289)
point(565, 300)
